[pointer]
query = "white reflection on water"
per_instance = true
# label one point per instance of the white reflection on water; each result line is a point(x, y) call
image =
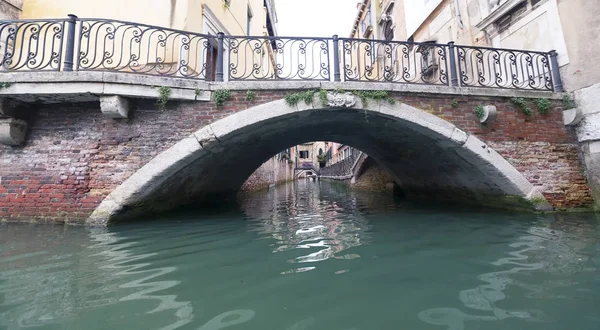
point(302, 218)
point(234, 317)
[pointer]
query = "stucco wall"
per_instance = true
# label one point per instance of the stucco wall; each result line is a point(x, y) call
point(10, 9)
point(581, 26)
point(178, 14)
point(154, 12)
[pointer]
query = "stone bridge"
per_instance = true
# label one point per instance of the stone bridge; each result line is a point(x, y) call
point(99, 149)
point(124, 119)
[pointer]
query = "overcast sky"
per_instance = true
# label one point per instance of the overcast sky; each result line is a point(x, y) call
point(315, 18)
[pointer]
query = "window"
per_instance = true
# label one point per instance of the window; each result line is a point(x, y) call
point(304, 154)
point(511, 17)
point(372, 51)
point(427, 59)
point(366, 25)
point(388, 30)
point(248, 20)
point(512, 14)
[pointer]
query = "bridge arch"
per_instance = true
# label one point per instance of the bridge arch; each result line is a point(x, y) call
point(425, 154)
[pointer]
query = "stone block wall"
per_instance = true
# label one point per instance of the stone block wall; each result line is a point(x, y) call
point(74, 156)
point(272, 172)
point(373, 177)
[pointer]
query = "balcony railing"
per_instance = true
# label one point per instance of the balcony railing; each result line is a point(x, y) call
point(76, 44)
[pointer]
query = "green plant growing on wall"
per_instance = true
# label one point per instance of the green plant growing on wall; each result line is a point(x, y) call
point(537, 200)
point(568, 102)
point(321, 158)
point(164, 94)
point(544, 106)
point(4, 85)
point(480, 112)
point(220, 96)
point(454, 103)
point(323, 97)
point(521, 103)
point(306, 96)
point(250, 95)
point(365, 96)
point(197, 93)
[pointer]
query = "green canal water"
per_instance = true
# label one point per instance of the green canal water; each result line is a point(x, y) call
point(307, 256)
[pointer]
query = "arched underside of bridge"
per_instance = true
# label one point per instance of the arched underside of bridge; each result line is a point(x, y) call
point(425, 154)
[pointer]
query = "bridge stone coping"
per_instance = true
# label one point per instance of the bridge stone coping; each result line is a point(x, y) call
point(57, 87)
point(157, 179)
point(392, 87)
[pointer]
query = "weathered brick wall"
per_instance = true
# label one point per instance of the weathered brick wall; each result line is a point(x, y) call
point(272, 172)
point(74, 156)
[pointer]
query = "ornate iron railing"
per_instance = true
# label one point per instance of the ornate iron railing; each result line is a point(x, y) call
point(34, 45)
point(118, 46)
point(277, 58)
point(414, 63)
point(504, 68)
point(139, 48)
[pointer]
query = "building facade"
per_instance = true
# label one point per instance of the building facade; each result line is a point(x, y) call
point(250, 17)
point(569, 27)
point(310, 155)
point(337, 152)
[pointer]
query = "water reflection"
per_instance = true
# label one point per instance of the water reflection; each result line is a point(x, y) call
point(557, 245)
point(119, 262)
point(307, 256)
point(309, 215)
point(76, 272)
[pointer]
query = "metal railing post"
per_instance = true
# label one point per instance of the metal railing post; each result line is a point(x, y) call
point(556, 79)
point(70, 51)
point(453, 81)
point(220, 56)
point(336, 59)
